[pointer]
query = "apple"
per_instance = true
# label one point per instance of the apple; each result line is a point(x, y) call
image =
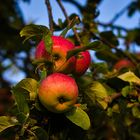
point(123, 63)
point(60, 48)
point(83, 61)
point(58, 92)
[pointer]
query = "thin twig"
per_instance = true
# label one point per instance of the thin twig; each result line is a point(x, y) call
point(112, 26)
point(68, 20)
point(50, 15)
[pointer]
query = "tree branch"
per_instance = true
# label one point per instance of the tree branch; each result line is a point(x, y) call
point(68, 20)
point(47, 2)
point(112, 26)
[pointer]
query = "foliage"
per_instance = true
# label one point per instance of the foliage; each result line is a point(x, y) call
point(108, 106)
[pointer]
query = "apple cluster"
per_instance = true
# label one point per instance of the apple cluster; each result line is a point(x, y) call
point(58, 92)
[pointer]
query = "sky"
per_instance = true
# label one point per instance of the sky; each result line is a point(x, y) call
point(36, 12)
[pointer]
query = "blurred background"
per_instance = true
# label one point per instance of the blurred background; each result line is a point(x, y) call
point(15, 57)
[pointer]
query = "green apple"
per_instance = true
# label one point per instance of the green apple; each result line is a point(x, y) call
point(83, 61)
point(58, 92)
point(60, 48)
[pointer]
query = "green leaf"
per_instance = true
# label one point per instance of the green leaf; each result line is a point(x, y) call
point(75, 20)
point(7, 122)
point(126, 90)
point(88, 47)
point(136, 112)
point(130, 77)
point(98, 92)
point(110, 37)
point(32, 30)
point(99, 67)
point(40, 133)
point(20, 98)
point(30, 85)
point(48, 42)
point(79, 117)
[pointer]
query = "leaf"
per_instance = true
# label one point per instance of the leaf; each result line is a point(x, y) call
point(75, 20)
point(110, 37)
point(88, 47)
point(48, 42)
point(126, 90)
point(30, 85)
point(32, 30)
point(103, 104)
point(21, 101)
point(79, 117)
point(136, 112)
point(101, 67)
point(97, 92)
point(130, 77)
point(7, 122)
point(40, 133)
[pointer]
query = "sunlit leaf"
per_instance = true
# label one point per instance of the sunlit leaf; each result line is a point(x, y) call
point(48, 42)
point(30, 85)
point(79, 117)
point(33, 30)
point(130, 77)
point(7, 122)
point(97, 93)
point(126, 90)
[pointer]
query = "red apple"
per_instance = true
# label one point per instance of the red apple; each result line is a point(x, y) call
point(58, 92)
point(59, 52)
point(123, 63)
point(83, 60)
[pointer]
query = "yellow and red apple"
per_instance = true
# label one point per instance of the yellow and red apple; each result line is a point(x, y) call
point(58, 92)
point(60, 48)
point(83, 61)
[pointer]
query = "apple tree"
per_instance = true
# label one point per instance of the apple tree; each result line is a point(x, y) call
point(67, 94)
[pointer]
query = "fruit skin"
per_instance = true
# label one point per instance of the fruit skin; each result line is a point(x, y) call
point(60, 48)
point(123, 63)
point(58, 92)
point(83, 61)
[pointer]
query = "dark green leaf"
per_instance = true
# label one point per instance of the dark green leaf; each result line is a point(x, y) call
point(20, 98)
point(99, 67)
point(32, 30)
point(79, 117)
point(91, 46)
point(40, 133)
point(110, 37)
point(107, 55)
